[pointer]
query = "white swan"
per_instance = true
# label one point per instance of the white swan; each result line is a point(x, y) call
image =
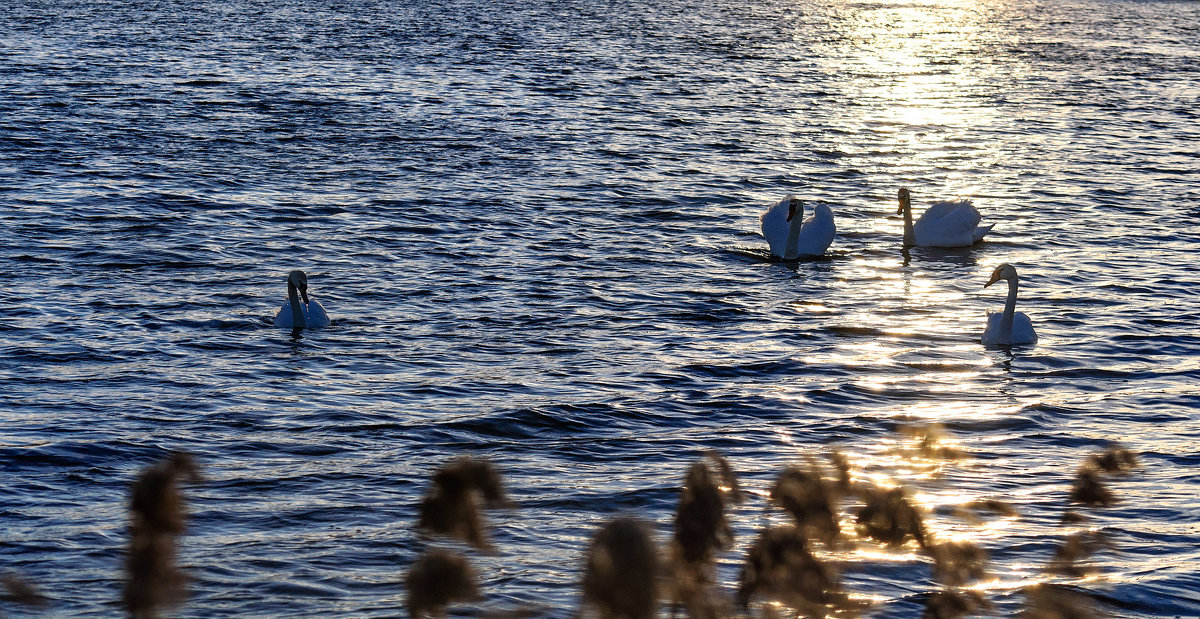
point(1010, 326)
point(789, 236)
point(297, 315)
point(944, 224)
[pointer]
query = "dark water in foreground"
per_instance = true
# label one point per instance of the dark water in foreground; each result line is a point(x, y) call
point(535, 227)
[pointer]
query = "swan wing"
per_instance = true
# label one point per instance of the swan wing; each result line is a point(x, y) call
point(316, 314)
point(981, 231)
point(1023, 332)
point(991, 332)
point(283, 317)
point(938, 210)
point(947, 224)
point(817, 233)
point(775, 225)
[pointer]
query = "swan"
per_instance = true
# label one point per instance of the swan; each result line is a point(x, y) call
point(789, 236)
point(295, 314)
point(1010, 326)
point(944, 224)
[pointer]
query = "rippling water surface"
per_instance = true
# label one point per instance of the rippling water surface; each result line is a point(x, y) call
point(535, 225)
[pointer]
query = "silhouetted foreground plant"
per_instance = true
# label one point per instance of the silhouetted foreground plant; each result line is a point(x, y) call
point(889, 517)
point(452, 505)
point(19, 591)
point(621, 575)
point(437, 579)
point(811, 500)
point(157, 517)
point(1056, 602)
point(954, 603)
point(701, 531)
point(1072, 557)
point(780, 568)
point(624, 577)
point(932, 440)
point(1089, 488)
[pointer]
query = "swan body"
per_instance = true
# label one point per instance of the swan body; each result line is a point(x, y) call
point(300, 312)
point(944, 224)
point(790, 235)
point(1009, 326)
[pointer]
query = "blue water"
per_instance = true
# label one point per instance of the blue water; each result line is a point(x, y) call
point(535, 225)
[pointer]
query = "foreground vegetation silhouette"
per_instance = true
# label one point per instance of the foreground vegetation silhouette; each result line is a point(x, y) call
point(791, 568)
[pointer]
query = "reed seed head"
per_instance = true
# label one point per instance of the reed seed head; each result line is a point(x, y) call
point(957, 563)
point(436, 580)
point(157, 516)
point(954, 604)
point(779, 567)
point(1089, 490)
point(622, 571)
point(810, 499)
point(890, 518)
point(700, 526)
point(452, 505)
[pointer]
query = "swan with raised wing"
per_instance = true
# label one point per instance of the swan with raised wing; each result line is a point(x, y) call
point(943, 224)
point(790, 235)
point(1009, 326)
point(300, 312)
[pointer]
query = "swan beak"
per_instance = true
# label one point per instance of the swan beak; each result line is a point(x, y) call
point(791, 210)
point(994, 279)
point(304, 293)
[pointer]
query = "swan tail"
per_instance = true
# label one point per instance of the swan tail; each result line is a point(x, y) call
point(981, 231)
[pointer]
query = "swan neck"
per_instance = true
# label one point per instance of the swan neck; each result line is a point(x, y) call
point(910, 235)
point(298, 318)
point(1010, 311)
point(791, 250)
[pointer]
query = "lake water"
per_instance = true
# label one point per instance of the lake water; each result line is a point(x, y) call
point(535, 225)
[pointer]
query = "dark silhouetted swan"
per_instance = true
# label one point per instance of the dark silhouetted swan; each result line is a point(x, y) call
point(300, 312)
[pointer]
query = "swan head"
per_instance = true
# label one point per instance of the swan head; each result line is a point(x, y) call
point(1004, 271)
point(904, 200)
point(794, 206)
point(298, 280)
